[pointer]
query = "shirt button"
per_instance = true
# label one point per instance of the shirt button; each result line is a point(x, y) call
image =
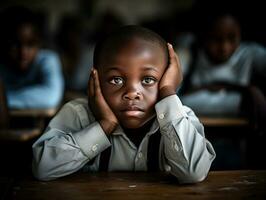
point(176, 147)
point(161, 116)
point(140, 155)
point(167, 168)
point(94, 147)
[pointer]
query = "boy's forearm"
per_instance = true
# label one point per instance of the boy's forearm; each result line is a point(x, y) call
point(186, 150)
point(68, 143)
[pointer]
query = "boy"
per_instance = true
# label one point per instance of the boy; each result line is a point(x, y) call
point(32, 76)
point(133, 110)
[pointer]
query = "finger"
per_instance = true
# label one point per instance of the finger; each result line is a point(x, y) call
point(172, 54)
point(174, 59)
point(91, 85)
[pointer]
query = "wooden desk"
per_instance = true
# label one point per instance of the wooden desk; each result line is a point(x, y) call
point(25, 134)
point(33, 112)
point(21, 135)
point(223, 121)
point(126, 186)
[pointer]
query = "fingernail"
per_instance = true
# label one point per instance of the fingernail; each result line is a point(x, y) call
point(92, 72)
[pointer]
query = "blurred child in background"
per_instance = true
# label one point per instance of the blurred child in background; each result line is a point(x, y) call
point(218, 80)
point(31, 75)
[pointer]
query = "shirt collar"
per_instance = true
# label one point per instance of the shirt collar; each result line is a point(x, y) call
point(153, 129)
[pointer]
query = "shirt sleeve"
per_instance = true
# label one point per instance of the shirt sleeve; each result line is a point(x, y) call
point(45, 94)
point(65, 147)
point(185, 152)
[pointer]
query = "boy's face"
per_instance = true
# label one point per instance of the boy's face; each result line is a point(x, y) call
point(223, 39)
point(130, 80)
point(23, 47)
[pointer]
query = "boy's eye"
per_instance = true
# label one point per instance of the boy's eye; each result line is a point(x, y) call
point(117, 81)
point(148, 81)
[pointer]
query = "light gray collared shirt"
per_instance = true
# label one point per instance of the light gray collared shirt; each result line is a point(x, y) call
point(73, 138)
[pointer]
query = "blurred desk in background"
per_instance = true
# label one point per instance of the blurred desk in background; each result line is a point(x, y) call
point(223, 121)
point(26, 124)
point(40, 113)
point(38, 117)
point(141, 185)
point(19, 135)
point(235, 141)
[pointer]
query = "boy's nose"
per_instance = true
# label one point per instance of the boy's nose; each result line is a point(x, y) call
point(132, 94)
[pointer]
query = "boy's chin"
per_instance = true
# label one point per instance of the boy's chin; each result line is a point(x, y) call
point(130, 124)
point(134, 123)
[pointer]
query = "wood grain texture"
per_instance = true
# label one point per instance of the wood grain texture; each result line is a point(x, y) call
point(153, 186)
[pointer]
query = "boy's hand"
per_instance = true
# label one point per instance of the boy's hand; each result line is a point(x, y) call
point(101, 110)
point(172, 76)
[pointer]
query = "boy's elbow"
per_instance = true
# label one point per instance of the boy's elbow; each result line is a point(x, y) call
point(40, 174)
point(189, 175)
point(193, 177)
point(42, 171)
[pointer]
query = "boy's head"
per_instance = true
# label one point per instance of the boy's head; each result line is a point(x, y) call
point(222, 37)
point(20, 37)
point(131, 62)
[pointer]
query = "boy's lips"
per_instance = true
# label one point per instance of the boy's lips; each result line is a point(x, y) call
point(132, 111)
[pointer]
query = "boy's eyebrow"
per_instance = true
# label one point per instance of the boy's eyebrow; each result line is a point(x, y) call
point(145, 68)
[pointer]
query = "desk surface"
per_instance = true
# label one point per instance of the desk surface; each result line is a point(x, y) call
point(33, 112)
point(218, 185)
point(223, 121)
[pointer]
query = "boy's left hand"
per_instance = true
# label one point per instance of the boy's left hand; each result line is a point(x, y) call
point(172, 76)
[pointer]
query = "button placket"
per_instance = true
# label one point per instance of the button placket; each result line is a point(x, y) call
point(140, 155)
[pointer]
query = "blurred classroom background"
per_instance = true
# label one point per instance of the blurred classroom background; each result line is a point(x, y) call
point(72, 27)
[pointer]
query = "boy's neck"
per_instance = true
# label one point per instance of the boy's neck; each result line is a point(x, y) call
point(136, 135)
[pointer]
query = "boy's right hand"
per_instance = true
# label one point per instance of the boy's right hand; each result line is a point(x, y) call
point(101, 110)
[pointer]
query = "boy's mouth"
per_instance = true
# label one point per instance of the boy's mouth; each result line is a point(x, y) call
point(132, 111)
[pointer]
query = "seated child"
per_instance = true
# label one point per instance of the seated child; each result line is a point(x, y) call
point(222, 69)
point(31, 75)
point(132, 121)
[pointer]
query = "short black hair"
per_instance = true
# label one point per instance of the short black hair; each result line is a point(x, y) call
point(111, 43)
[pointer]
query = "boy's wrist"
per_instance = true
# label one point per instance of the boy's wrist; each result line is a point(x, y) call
point(108, 126)
point(166, 91)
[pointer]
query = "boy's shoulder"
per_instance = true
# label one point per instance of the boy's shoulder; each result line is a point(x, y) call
point(76, 103)
point(74, 114)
